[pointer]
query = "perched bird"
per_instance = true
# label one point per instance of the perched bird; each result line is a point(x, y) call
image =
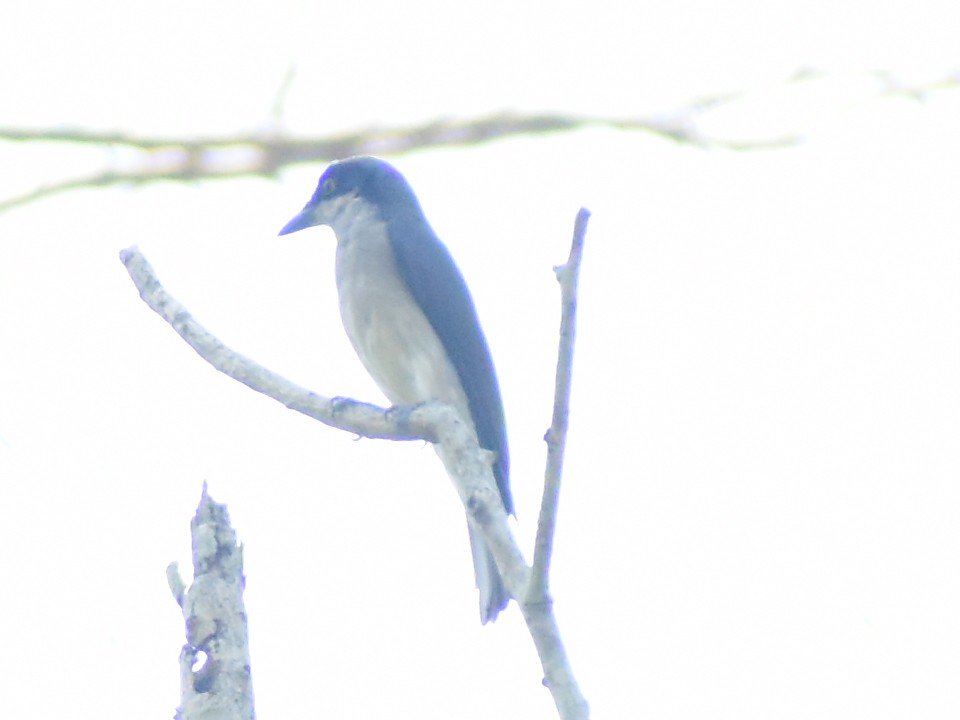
point(410, 317)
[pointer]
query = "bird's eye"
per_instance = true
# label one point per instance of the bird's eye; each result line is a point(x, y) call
point(329, 185)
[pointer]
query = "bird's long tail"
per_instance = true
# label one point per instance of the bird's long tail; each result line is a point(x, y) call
point(493, 593)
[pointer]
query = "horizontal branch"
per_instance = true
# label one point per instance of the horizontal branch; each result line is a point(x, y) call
point(265, 154)
point(257, 155)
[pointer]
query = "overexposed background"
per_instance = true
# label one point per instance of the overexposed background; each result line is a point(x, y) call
point(759, 517)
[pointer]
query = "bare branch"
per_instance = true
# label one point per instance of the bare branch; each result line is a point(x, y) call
point(264, 154)
point(467, 464)
point(568, 275)
point(349, 415)
point(538, 605)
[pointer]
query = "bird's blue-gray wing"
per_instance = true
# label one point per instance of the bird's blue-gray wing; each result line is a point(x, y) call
point(436, 284)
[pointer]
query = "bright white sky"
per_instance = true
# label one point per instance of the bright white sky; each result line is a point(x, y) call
point(760, 508)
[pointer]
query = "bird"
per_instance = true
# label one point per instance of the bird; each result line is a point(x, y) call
point(410, 317)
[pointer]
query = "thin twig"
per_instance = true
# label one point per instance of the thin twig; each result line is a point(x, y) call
point(568, 276)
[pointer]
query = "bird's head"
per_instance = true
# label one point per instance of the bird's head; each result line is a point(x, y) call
point(350, 187)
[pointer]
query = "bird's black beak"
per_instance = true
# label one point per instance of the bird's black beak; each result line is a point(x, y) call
point(306, 218)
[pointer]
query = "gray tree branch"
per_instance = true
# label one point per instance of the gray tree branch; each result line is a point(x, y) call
point(154, 159)
point(466, 463)
point(568, 275)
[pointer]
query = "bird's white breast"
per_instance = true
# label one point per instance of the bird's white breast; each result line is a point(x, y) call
point(392, 336)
